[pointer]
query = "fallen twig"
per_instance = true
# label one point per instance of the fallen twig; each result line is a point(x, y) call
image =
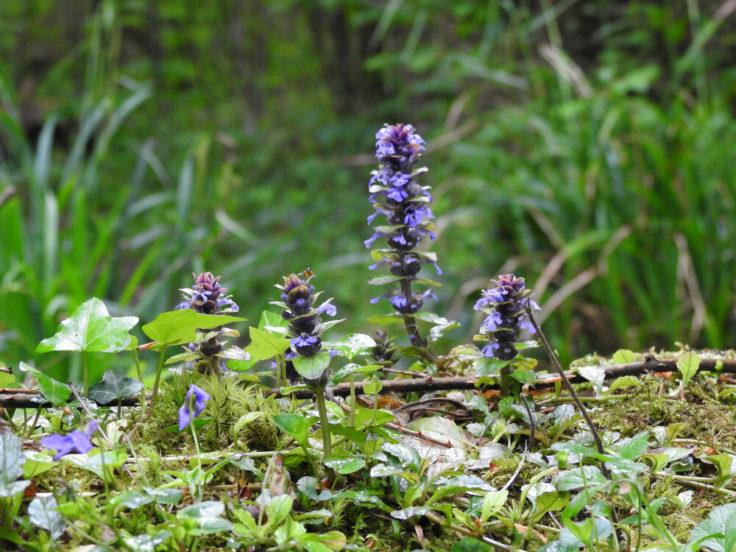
point(26, 398)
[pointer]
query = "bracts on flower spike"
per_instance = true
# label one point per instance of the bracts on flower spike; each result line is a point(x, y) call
point(396, 195)
point(207, 296)
point(298, 299)
point(504, 304)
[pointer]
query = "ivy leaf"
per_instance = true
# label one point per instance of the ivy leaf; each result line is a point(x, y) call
point(265, 345)
point(52, 390)
point(179, 327)
point(42, 513)
point(312, 368)
point(114, 387)
point(91, 329)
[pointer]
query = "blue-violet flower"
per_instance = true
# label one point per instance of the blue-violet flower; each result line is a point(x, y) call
point(194, 403)
point(77, 441)
point(504, 304)
point(397, 196)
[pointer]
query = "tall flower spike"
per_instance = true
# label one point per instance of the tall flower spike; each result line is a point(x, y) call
point(298, 301)
point(397, 196)
point(504, 304)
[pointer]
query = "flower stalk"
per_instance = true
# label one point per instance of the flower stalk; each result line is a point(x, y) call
point(396, 195)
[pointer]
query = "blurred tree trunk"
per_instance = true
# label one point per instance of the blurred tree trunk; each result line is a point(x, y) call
point(342, 52)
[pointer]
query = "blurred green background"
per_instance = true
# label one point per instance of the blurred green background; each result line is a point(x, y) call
point(589, 146)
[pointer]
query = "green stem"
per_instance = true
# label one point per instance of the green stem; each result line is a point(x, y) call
point(556, 364)
point(157, 381)
point(196, 447)
point(319, 392)
point(85, 373)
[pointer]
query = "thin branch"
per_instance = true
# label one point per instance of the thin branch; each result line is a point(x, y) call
point(556, 363)
point(28, 398)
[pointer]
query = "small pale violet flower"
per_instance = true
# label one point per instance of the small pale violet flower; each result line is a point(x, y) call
point(189, 411)
point(77, 441)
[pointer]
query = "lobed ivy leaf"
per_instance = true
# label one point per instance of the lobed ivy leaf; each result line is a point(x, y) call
point(114, 387)
point(91, 329)
point(179, 327)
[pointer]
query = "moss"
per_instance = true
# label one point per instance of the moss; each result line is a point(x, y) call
point(230, 403)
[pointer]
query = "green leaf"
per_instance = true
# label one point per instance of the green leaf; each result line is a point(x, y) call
point(209, 508)
point(469, 544)
point(624, 356)
point(114, 387)
point(11, 465)
point(578, 478)
point(623, 383)
point(102, 464)
point(42, 513)
point(345, 464)
point(295, 425)
point(312, 368)
point(264, 344)
point(36, 463)
point(91, 329)
point(492, 503)
point(442, 428)
point(52, 390)
point(718, 531)
point(688, 365)
point(352, 345)
point(278, 509)
point(179, 327)
point(634, 447)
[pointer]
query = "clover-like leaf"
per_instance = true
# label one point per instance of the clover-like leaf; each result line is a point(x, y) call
point(91, 328)
point(114, 387)
point(179, 327)
point(52, 390)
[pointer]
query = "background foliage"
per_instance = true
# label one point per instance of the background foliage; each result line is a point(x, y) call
point(587, 145)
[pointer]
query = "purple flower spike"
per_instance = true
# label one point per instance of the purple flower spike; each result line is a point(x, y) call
point(395, 193)
point(75, 442)
point(505, 305)
point(207, 296)
point(194, 395)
